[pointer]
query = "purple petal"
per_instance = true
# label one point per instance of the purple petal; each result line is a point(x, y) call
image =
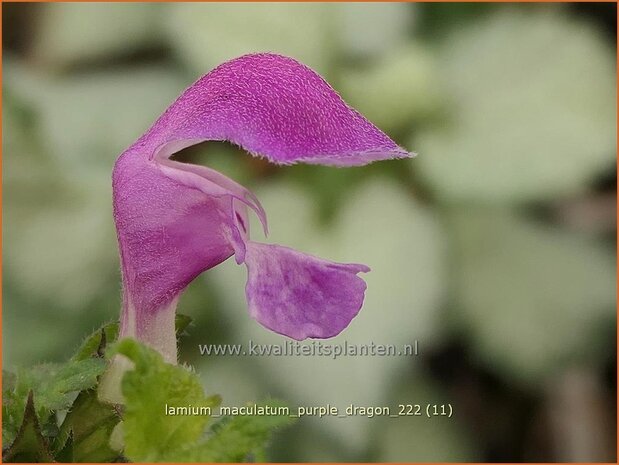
point(168, 231)
point(213, 183)
point(206, 180)
point(301, 296)
point(272, 106)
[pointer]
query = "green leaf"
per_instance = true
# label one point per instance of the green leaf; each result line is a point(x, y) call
point(422, 439)
point(369, 30)
point(10, 412)
point(46, 267)
point(533, 299)
point(207, 34)
point(148, 389)
point(397, 90)
point(64, 454)
point(29, 444)
point(87, 429)
point(532, 110)
point(152, 433)
point(53, 384)
point(182, 322)
point(72, 32)
point(96, 343)
point(237, 439)
point(53, 387)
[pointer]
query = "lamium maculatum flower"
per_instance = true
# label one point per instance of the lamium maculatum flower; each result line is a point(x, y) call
point(175, 220)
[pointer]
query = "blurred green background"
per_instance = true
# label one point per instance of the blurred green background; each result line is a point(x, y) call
point(495, 247)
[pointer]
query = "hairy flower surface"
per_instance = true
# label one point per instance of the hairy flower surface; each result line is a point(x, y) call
point(175, 220)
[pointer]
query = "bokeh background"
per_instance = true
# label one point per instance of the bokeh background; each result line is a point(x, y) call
point(494, 248)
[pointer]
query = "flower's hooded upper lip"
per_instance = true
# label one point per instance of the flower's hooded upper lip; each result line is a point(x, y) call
point(175, 220)
point(274, 107)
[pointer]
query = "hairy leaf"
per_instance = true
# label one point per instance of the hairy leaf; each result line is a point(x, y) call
point(87, 429)
point(149, 433)
point(29, 444)
point(237, 439)
point(53, 387)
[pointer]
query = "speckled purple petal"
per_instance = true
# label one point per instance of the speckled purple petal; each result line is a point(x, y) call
point(272, 106)
point(301, 296)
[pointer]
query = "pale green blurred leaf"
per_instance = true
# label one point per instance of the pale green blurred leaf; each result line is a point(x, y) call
point(207, 34)
point(369, 29)
point(396, 90)
point(15, 351)
point(533, 299)
point(231, 376)
point(532, 114)
point(71, 32)
point(90, 119)
point(66, 251)
point(419, 438)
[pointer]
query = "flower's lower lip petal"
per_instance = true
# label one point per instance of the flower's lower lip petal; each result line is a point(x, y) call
point(301, 296)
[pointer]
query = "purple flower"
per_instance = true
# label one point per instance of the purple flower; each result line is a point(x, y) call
point(176, 220)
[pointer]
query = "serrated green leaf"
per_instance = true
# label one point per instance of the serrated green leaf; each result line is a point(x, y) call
point(53, 383)
point(65, 453)
point(182, 322)
point(53, 387)
point(8, 380)
point(96, 343)
point(87, 429)
point(236, 439)
point(148, 389)
point(12, 411)
point(29, 444)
